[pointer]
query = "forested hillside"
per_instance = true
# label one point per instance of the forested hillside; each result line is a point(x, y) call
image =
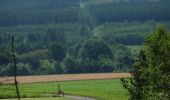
point(76, 36)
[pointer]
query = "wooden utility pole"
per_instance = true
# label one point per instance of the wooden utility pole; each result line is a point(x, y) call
point(15, 69)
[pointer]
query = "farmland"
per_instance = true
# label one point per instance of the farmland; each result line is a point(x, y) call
point(65, 77)
point(101, 89)
point(83, 49)
point(106, 88)
point(60, 98)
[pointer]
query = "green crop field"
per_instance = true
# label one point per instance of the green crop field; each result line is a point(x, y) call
point(101, 89)
point(58, 98)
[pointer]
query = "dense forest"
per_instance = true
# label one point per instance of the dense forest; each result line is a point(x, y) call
point(76, 36)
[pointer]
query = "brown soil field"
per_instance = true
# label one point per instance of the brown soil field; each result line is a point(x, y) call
point(64, 77)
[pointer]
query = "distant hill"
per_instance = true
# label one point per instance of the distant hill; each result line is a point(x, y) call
point(96, 2)
point(76, 36)
point(38, 4)
point(22, 12)
point(22, 4)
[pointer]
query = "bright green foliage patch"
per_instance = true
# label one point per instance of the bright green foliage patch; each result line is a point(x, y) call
point(102, 89)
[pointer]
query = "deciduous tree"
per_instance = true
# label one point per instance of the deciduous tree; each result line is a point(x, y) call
point(151, 72)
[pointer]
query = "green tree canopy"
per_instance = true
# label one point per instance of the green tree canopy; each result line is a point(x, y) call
point(4, 57)
point(151, 72)
point(57, 51)
point(94, 49)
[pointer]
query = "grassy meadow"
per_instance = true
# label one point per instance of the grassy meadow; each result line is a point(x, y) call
point(57, 98)
point(110, 89)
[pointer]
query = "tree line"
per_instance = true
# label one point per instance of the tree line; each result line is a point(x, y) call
point(93, 55)
point(71, 48)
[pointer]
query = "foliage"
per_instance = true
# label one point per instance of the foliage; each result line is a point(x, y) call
point(106, 64)
point(4, 57)
point(122, 57)
point(22, 12)
point(151, 70)
point(38, 25)
point(93, 49)
point(56, 68)
point(23, 69)
point(7, 70)
point(69, 65)
point(57, 51)
point(130, 11)
point(124, 33)
point(34, 51)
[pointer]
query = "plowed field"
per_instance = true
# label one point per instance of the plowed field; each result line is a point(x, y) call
point(65, 77)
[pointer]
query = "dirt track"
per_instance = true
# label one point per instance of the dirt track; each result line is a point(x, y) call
point(66, 77)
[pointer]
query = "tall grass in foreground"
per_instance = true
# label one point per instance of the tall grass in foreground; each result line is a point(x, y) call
point(110, 89)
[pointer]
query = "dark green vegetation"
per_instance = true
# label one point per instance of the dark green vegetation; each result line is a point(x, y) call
point(101, 89)
point(151, 72)
point(21, 12)
point(69, 36)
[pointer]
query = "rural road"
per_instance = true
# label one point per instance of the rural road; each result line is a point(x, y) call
point(75, 97)
point(65, 77)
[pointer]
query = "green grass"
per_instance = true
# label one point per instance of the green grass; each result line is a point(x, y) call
point(102, 89)
point(58, 98)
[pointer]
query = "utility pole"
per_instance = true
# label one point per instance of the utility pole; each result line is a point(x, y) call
point(15, 69)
